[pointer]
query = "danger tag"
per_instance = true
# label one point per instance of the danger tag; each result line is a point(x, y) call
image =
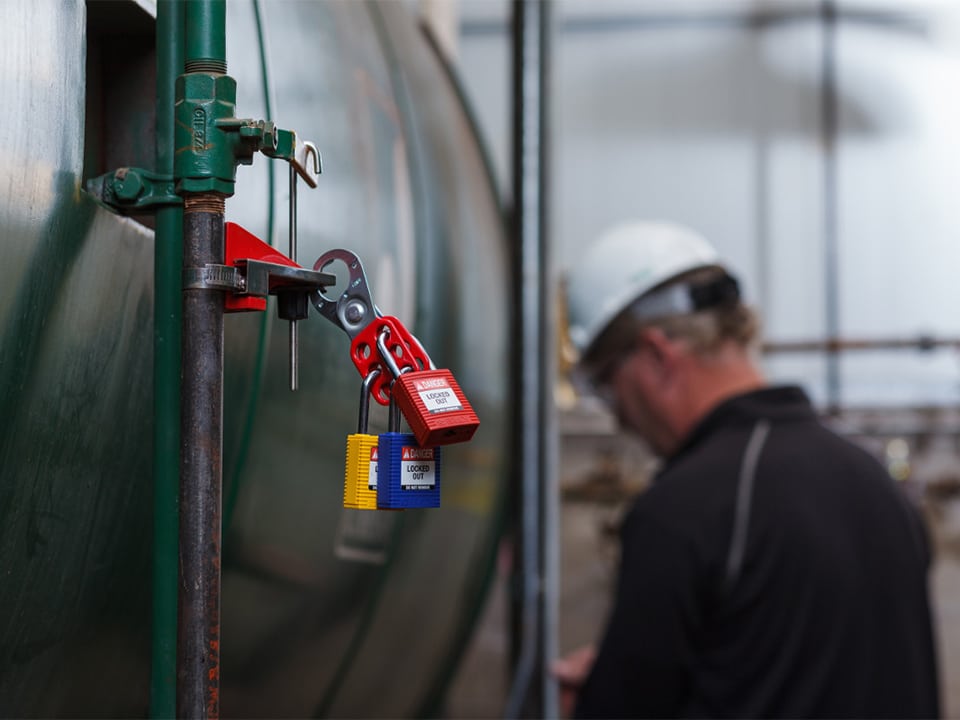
point(437, 395)
point(372, 477)
point(417, 468)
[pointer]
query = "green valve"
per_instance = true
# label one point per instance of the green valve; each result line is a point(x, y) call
point(210, 141)
point(206, 157)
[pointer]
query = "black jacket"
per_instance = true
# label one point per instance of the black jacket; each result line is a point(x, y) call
point(772, 570)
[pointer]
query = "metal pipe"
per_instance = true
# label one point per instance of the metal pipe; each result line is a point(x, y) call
point(206, 44)
point(525, 608)
point(836, 345)
point(294, 349)
point(549, 458)
point(829, 122)
point(201, 473)
point(199, 159)
point(532, 692)
point(761, 166)
point(168, 253)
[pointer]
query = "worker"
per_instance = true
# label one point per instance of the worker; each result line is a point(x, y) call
point(772, 569)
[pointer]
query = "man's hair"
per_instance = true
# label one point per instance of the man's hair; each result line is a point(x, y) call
point(705, 330)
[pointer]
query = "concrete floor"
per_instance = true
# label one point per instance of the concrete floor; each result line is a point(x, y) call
point(602, 470)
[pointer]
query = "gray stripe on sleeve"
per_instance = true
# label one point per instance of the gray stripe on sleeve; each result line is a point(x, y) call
point(748, 471)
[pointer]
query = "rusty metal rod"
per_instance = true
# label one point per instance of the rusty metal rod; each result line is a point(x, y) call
point(201, 468)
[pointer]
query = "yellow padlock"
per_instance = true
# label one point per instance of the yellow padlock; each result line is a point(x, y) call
point(360, 477)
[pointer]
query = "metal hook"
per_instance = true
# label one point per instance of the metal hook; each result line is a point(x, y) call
point(299, 166)
point(311, 149)
point(300, 162)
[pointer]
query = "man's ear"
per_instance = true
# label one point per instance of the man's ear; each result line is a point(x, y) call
point(659, 350)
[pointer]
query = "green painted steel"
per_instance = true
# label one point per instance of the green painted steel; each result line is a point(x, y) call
point(319, 603)
point(134, 190)
point(168, 261)
point(206, 154)
point(76, 303)
point(205, 49)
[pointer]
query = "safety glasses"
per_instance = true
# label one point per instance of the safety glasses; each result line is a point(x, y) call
point(597, 377)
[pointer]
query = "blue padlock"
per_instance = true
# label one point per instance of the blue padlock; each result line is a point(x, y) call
point(408, 476)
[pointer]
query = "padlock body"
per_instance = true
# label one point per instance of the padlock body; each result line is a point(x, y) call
point(435, 407)
point(409, 475)
point(360, 478)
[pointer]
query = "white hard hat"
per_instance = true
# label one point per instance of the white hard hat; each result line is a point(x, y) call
point(624, 263)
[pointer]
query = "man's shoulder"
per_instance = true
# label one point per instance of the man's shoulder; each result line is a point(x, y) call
point(713, 461)
point(701, 482)
point(696, 488)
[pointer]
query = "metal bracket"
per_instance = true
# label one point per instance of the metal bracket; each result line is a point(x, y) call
point(266, 137)
point(130, 190)
point(253, 270)
point(354, 309)
point(214, 277)
point(255, 278)
point(266, 278)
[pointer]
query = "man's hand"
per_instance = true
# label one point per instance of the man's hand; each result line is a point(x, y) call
point(571, 672)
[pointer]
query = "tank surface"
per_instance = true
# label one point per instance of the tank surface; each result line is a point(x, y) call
point(325, 611)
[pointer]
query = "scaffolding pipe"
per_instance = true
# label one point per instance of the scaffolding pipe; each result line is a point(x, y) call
point(168, 252)
point(533, 614)
point(835, 345)
point(829, 121)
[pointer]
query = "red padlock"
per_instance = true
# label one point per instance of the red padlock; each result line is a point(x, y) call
point(431, 401)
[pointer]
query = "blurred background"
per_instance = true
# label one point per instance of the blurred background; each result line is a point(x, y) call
point(817, 144)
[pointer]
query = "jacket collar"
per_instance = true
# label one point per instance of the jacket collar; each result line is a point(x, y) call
point(778, 403)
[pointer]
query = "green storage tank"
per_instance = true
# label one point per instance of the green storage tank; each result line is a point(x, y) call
point(325, 611)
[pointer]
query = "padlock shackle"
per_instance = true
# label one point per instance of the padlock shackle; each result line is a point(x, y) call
point(387, 356)
point(393, 419)
point(365, 353)
point(365, 386)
